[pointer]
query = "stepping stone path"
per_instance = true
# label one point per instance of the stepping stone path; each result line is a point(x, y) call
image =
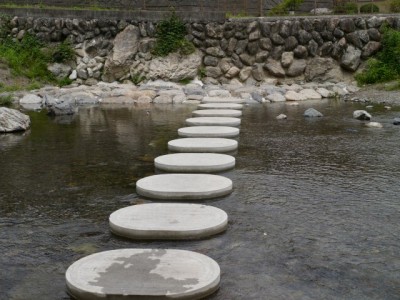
point(164, 273)
point(223, 100)
point(174, 221)
point(217, 113)
point(209, 132)
point(220, 106)
point(195, 162)
point(143, 274)
point(195, 145)
point(213, 121)
point(184, 186)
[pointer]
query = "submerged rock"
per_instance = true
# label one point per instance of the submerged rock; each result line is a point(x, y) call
point(12, 120)
point(312, 113)
point(374, 125)
point(361, 115)
point(396, 121)
point(281, 117)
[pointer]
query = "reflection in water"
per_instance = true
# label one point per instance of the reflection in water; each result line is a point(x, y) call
point(314, 213)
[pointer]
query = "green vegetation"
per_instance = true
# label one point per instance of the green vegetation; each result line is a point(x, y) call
point(63, 52)
point(6, 101)
point(137, 78)
point(344, 7)
point(202, 72)
point(386, 65)
point(369, 8)
point(285, 7)
point(395, 6)
point(170, 36)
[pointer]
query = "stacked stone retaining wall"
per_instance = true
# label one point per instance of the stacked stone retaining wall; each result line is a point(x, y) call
point(307, 49)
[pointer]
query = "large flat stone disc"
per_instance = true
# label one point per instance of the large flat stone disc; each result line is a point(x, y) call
point(194, 145)
point(143, 274)
point(194, 162)
point(184, 186)
point(213, 121)
point(217, 113)
point(168, 221)
point(223, 100)
point(220, 106)
point(209, 131)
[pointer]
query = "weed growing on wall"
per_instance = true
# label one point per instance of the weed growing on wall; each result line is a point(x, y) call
point(6, 101)
point(284, 7)
point(170, 36)
point(386, 65)
point(63, 52)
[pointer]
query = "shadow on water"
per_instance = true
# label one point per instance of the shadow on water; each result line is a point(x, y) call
point(314, 213)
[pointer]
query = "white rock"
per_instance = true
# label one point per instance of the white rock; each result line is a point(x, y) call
point(294, 96)
point(374, 125)
point(361, 115)
point(310, 94)
point(219, 93)
point(276, 97)
point(73, 75)
point(209, 132)
point(206, 145)
point(312, 113)
point(281, 117)
point(325, 93)
point(12, 120)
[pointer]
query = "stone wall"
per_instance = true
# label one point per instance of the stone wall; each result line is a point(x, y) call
point(291, 49)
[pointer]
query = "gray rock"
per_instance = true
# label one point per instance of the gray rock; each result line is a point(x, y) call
point(276, 97)
point(287, 59)
point(12, 120)
point(31, 102)
point(125, 47)
point(310, 94)
point(290, 43)
point(312, 113)
point(258, 73)
point(370, 49)
point(374, 125)
point(325, 93)
point(247, 59)
point(232, 72)
point(59, 70)
point(294, 96)
point(252, 48)
point(361, 115)
point(241, 46)
point(300, 52)
point(61, 108)
point(245, 73)
point(347, 25)
point(374, 34)
point(312, 48)
point(351, 59)
point(210, 61)
point(304, 37)
point(337, 33)
point(354, 39)
point(281, 117)
point(296, 68)
point(277, 39)
point(215, 51)
point(274, 67)
point(262, 56)
point(73, 75)
point(213, 72)
point(266, 44)
point(396, 121)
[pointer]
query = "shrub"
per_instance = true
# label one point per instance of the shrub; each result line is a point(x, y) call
point(63, 52)
point(285, 6)
point(369, 8)
point(386, 65)
point(170, 36)
point(346, 8)
point(395, 6)
point(6, 101)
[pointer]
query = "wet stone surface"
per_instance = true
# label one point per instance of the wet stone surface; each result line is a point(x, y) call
point(314, 213)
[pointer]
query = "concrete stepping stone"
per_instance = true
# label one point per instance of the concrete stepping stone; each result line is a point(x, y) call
point(217, 113)
point(209, 131)
point(175, 221)
point(220, 106)
point(213, 121)
point(195, 162)
point(195, 145)
point(223, 100)
point(184, 186)
point(143, 274)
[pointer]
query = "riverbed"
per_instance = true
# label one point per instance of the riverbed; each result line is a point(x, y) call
point(314, 213)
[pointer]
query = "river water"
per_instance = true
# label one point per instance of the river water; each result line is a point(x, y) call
point(314, 214)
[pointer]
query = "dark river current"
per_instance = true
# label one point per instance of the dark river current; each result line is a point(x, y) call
point(315, 212)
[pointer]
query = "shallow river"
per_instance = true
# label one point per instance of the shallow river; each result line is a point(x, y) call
point(315, 213)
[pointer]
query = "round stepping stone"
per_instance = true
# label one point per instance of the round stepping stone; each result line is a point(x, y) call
point(213, 121)
point(143, 274)
point(184, 186)
point(223, 100)
point(195, 162)
point(174, 221)
point(220, 106)
point(209, 131)
point(217, 113)
point(194, 145)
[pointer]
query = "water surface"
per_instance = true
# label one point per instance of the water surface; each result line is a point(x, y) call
point(314, 215)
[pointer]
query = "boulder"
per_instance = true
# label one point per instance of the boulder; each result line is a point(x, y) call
point(321, 69)
point(312, 113)
point(59, 70)
point(374, 125)
point(310, 94)
point(294, 96)
point(361, 115)
point(274, 68)
point(281, 117)
point(370, 49)
point(296, 68)
point(351, 59)
point(287, 59)
point(325, 93)
point(175, 67)
point(31, 102)
point(12, 120)
point(396, 121)
point(125, 47)
point(276, 97)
